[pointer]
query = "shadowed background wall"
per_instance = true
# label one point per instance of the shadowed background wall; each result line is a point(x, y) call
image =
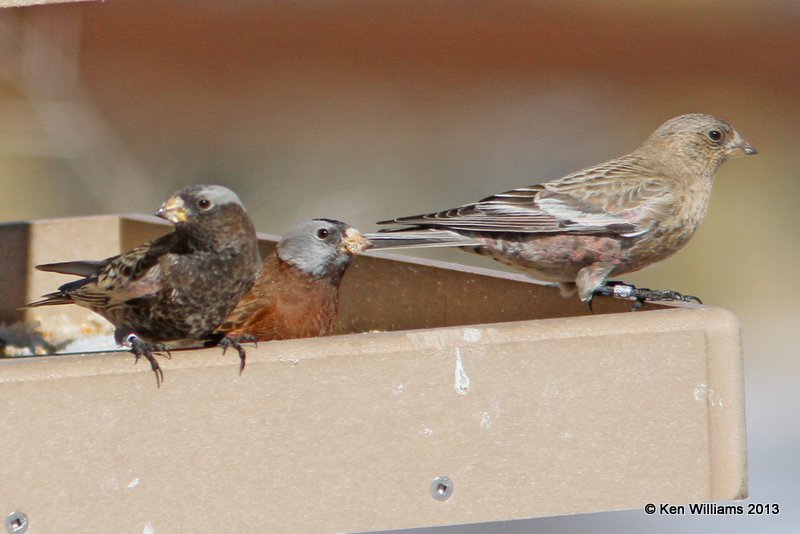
point(368, 110)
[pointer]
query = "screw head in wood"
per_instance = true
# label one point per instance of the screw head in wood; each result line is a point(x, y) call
point(16, 522)
point(441, 488)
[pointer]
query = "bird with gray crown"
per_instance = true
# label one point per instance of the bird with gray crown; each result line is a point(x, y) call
point(296, 293)
point(178, 288)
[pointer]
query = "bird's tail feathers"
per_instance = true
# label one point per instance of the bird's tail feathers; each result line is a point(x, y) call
point(83, 268)
point(391, 239)
point(51, 299)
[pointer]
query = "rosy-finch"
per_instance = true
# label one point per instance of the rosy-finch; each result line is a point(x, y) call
point(177, 288)
point(610, 219)
point(296, 294)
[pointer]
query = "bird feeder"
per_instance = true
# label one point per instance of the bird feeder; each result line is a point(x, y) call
point(448, 395)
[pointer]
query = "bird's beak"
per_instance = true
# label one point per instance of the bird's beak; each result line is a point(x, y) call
point(355, 243)
point(749, 149)
point(740, 147)
point(173, 210)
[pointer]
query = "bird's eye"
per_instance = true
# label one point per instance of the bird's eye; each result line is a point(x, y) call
point(204, 204)
point(322, 233)
point(715, 135)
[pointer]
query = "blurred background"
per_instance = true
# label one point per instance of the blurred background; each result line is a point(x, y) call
point(365, 110)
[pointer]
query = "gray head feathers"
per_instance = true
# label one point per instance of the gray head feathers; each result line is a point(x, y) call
point(216, 194)
point(321, 248)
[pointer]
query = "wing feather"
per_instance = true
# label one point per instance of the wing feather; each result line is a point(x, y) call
point(618, 197)
point(111, 282)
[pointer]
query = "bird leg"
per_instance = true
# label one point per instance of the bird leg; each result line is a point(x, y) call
point(613, 289)
point(589, 280)
point(230, 342)
point(141, 348)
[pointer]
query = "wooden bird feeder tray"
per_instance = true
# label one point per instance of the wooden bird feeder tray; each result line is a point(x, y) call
point(450, 395)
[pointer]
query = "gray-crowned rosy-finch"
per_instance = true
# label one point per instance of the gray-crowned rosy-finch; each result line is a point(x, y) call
point(296, 294)
point(177, 288)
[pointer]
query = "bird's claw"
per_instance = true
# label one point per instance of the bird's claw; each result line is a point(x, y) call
point(228, 342)
point(161, 348)
point(140, 348)
point(248, 338)
point(665, 294)
point(640, 295)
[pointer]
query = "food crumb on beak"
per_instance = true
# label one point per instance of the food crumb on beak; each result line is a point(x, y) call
point(354, 242)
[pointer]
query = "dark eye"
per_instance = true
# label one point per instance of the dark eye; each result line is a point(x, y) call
point(715, 135)
point(322, 233)
point(203, 203)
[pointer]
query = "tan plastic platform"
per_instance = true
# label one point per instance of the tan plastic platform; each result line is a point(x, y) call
point(528, 405)
point(22, 3)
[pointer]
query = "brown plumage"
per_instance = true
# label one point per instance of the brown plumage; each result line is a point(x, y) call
point(610, 219)
point(177, 288)
point(297, 291)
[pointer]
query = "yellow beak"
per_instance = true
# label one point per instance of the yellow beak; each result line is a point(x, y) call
point(173, 210)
